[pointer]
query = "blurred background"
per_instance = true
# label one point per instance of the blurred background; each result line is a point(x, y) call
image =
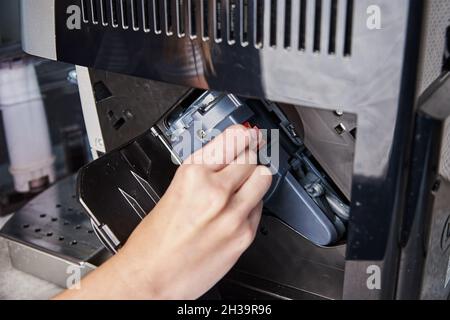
point(42, 144)
point(61, 117)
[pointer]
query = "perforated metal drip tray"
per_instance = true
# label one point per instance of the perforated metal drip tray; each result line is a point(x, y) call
point(52, 233)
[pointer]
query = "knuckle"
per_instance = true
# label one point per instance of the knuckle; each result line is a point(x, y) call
point(191, 171)
point(221, 185)
point(218, 189)
point(218, 196)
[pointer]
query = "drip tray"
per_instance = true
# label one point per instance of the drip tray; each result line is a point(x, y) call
point(51, 235)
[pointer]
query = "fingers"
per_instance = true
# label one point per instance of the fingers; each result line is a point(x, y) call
point(225, 148)
point(237, 172)
point(254, 217)
point(248, 229)
point(252, 191)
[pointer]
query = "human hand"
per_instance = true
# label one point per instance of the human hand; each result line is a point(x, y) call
point(208, 217)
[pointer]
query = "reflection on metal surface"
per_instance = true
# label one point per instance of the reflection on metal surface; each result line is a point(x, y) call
point(425, 226)
point(290, 260)
point(43, 265)
point(334, 151)
point(38, 27)
point(128, 183)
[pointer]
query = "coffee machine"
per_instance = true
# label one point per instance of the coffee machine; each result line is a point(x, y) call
point(362, 84)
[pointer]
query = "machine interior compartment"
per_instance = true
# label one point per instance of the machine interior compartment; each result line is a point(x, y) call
point(291, 262)
point(302, 194)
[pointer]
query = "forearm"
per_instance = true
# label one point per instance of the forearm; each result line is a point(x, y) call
point(207, 218)
point(111, 281)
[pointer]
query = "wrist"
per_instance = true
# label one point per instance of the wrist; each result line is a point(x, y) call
point(138, 279)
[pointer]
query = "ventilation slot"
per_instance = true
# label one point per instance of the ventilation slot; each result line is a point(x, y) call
point(288, 24)
point(259, 23)
point(348, 29)
point(205, 19)
point(232, 23)
point(273, 23)
point(145, 15)
point(317, 25)
point(157, 15)
point(168, 16)
point(302, 27)
point(104, 12)
point(114, 14)
point(135, 14)
point(244, 18)
point(94, 11)
point(85, 10)
point(325, 26)
point(193, 18)
point(333, 27)
point(181, 17)
point(218, 20)
point(124, 14)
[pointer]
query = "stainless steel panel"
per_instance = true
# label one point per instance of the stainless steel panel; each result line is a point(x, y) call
point(52, 233)
point(44, 265)
point(38, 28)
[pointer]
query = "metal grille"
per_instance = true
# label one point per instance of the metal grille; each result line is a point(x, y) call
point(438, 19)
point(445, 157)
point(317, 25)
